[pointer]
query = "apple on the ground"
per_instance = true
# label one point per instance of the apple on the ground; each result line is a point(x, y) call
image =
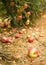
point(33, 52)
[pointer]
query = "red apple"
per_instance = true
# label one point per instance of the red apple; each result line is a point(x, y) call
point(21, 32)
point(28, 13)
point(33, 52)
point(9, 39)
point(19, 18)
point(30, 40)
point(4, 39)
point(17, 36)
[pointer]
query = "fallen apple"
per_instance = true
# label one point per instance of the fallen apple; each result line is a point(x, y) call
point(9, 39)
point(30, 40)
point(21, 32)
point(17, 36)
point(33, 52)
point(4, 39)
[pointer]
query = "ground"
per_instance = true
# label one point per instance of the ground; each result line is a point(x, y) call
point(16, 53)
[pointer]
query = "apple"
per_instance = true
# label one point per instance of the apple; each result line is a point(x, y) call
point(28, 13)
point(30, 40)
point(21, 32)
point(17, 36)
point(4, 39)
point(12, 3)
point(33, 52)
point(9, 39)
point(19, 17)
